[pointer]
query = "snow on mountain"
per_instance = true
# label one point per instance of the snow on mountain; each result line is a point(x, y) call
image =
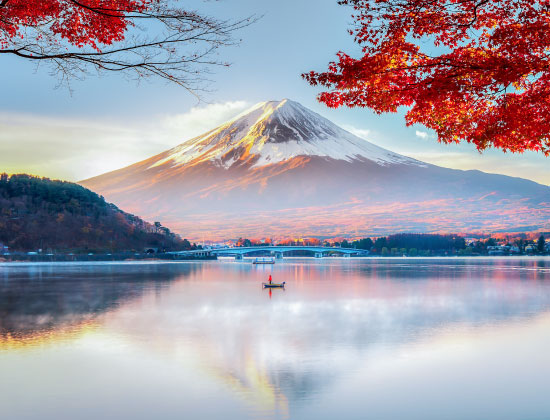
point(281, 170)
point(276, 131)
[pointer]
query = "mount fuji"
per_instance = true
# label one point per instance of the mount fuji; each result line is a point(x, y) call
point(281, 170)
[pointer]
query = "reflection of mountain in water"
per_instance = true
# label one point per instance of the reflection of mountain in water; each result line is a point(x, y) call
point(306, 350)
point(275, 353)
point(44, 299)
point(303, 340)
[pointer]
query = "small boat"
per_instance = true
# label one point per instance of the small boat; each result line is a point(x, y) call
point(262, 260)
point(274, 285)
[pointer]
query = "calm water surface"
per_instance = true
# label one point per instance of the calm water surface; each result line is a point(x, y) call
point(347, 339)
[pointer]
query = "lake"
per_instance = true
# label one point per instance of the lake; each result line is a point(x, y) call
point(348, 338)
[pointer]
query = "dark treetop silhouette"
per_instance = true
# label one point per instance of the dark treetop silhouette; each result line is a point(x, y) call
point(41, 213)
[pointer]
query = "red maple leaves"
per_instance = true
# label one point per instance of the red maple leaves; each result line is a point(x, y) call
point(139, 38)
point(473, 70)
point(80, 23)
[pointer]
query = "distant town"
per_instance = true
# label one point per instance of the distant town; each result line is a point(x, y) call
point(397, 245)
point(45, 220)
point(419, 244)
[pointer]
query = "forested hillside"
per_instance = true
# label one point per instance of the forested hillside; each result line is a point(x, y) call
point(57, 215)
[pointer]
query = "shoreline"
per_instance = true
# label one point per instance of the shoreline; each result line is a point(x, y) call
point(247, 260)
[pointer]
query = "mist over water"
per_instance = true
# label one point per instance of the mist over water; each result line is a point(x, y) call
point(347, 338)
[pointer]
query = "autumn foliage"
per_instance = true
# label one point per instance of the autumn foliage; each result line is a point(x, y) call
point(472, 70)
point(92, 22)
point(140, 38)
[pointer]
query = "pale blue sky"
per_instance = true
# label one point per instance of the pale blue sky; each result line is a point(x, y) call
point(109, 122)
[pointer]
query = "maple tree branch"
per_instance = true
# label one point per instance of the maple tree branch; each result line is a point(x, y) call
point(484, 80)
point(99, 10)
point(174, 44)
point(142, 14)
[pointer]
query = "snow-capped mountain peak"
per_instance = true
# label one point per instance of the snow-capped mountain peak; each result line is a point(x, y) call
point(280, 170)
point(276, 131)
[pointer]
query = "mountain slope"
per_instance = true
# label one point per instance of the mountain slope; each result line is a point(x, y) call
point(41, 213)
point(279, 169)
point(273, 132)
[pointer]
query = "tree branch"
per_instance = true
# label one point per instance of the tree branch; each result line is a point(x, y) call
point(174, 44)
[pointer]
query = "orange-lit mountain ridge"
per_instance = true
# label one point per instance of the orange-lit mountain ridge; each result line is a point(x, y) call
point(279, 169)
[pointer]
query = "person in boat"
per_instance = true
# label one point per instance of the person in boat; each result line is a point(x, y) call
point(270, 281)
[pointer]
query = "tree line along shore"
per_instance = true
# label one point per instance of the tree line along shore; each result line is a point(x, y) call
point(424, 244)
point(43, 220)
